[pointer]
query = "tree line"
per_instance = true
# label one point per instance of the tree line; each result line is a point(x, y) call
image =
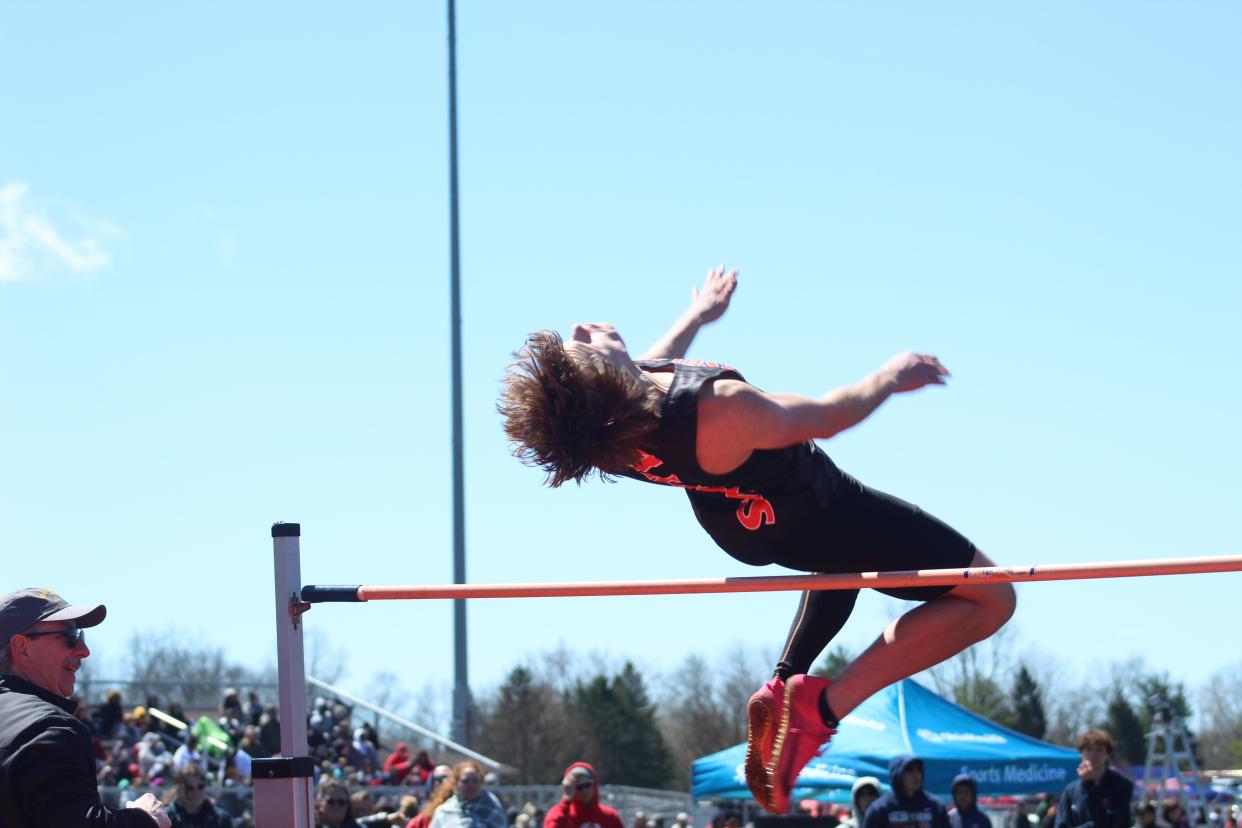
point(645, 728)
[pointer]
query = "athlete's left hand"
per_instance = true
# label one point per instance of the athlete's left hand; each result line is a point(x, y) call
point(710, 302)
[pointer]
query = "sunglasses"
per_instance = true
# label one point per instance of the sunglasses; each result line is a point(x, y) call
point(71, 636)
point(337, 802)
point(196, 786)
point(582, 786)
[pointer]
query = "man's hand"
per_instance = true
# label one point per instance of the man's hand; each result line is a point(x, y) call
point(910, 371)
point(1085, 770)
point(710, 302)
point(147, 802)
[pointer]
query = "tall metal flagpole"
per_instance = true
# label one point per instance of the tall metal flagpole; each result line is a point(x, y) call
point(461, 684)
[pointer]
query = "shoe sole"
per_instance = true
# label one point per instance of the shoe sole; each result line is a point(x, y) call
point(778, 744)
point(759, 727)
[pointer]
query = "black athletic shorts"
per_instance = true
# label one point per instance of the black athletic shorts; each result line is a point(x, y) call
point(866, 530)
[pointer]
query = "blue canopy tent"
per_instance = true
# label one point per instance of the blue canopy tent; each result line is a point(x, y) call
point(907, 718)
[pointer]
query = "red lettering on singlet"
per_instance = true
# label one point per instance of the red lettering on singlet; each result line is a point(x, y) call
point(754, 511)
point(700, 363)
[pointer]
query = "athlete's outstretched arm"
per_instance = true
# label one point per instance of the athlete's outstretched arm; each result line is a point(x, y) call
point(707, 304)
point(738, 418)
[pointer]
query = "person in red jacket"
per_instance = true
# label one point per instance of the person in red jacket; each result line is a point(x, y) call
point(398, 764)
point(580, 807)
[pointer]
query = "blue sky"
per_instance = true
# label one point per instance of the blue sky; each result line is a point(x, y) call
point(224, 301)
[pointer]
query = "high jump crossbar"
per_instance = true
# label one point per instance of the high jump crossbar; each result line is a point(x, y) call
point(282, 789)
point(777, 583)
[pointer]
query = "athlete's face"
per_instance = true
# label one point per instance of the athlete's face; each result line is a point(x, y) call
point(601, 340)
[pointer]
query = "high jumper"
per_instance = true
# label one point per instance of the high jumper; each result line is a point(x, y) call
point(767, 494)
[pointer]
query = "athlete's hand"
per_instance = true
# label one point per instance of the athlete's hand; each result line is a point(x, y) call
point(709, 302)
point(909, 371)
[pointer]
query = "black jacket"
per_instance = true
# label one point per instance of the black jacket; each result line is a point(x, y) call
point(1105, 804)
point(47, 764)
point(896, 810)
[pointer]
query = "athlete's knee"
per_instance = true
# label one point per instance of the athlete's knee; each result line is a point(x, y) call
point(1005, 599)
point(998, 600)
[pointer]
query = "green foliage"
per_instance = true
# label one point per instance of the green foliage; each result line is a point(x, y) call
point(526, 725)
point(619, 720)
point(1026, 706)
point(1127, 730)
point(833, 662)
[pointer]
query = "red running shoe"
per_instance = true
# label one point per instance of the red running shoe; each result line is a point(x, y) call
point(801, 733)
point(763, 718)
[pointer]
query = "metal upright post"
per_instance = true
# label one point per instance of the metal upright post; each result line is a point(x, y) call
point(282, 786)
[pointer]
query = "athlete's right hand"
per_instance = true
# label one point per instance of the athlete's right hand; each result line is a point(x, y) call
point(909, 371)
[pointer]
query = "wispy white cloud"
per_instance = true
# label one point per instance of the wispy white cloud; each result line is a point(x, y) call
point(31, 244)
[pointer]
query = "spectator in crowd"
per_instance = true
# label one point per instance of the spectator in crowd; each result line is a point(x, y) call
point(906, 804)
point(1173, 814)
point(440, 774)
point(398, 764)
point(110, 713)
point(865, 790)
point(47, 755)
point(367, 811)
point(250, 743)
point(1145, 815)
point(682, 820)
point(965, 812)
point(362, 753)
point(187, 752)
point(423, 767)
point(190, 805)
point(640, 820)
point(332, 805)
point(1021, 815)
point(269, 730)
point(465, 803)
point(153, 756)
point(254, 709)
point(230, 704)
point(1100, 796)
point(439, 788)
point(580, 803)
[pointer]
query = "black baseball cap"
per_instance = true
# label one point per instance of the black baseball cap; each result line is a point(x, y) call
point(21, 610)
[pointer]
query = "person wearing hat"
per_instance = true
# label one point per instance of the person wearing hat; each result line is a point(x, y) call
point(47, 757)
point(580, 807)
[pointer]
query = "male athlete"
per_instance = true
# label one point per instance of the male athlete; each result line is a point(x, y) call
point(766, 493)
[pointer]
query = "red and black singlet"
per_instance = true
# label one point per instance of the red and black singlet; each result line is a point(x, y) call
point(759, 511)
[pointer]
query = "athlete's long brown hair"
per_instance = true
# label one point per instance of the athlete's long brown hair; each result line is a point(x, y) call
point(571, 417)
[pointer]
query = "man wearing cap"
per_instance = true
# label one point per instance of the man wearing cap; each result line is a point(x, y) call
point(47, 759)
point(580, 807)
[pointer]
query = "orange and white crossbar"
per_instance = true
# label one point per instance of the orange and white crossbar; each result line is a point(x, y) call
point(777, 583)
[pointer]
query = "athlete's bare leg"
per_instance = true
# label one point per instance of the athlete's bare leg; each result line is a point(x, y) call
point(923, 637)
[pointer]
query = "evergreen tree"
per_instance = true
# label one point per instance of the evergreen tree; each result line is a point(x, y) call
point(623, 738)
point(833, 662)
point(1126, 729)
point(526, 725)
point(1026, 706)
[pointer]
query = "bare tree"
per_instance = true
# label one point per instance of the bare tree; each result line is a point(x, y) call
point(1220, 706)
point(977, 677)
